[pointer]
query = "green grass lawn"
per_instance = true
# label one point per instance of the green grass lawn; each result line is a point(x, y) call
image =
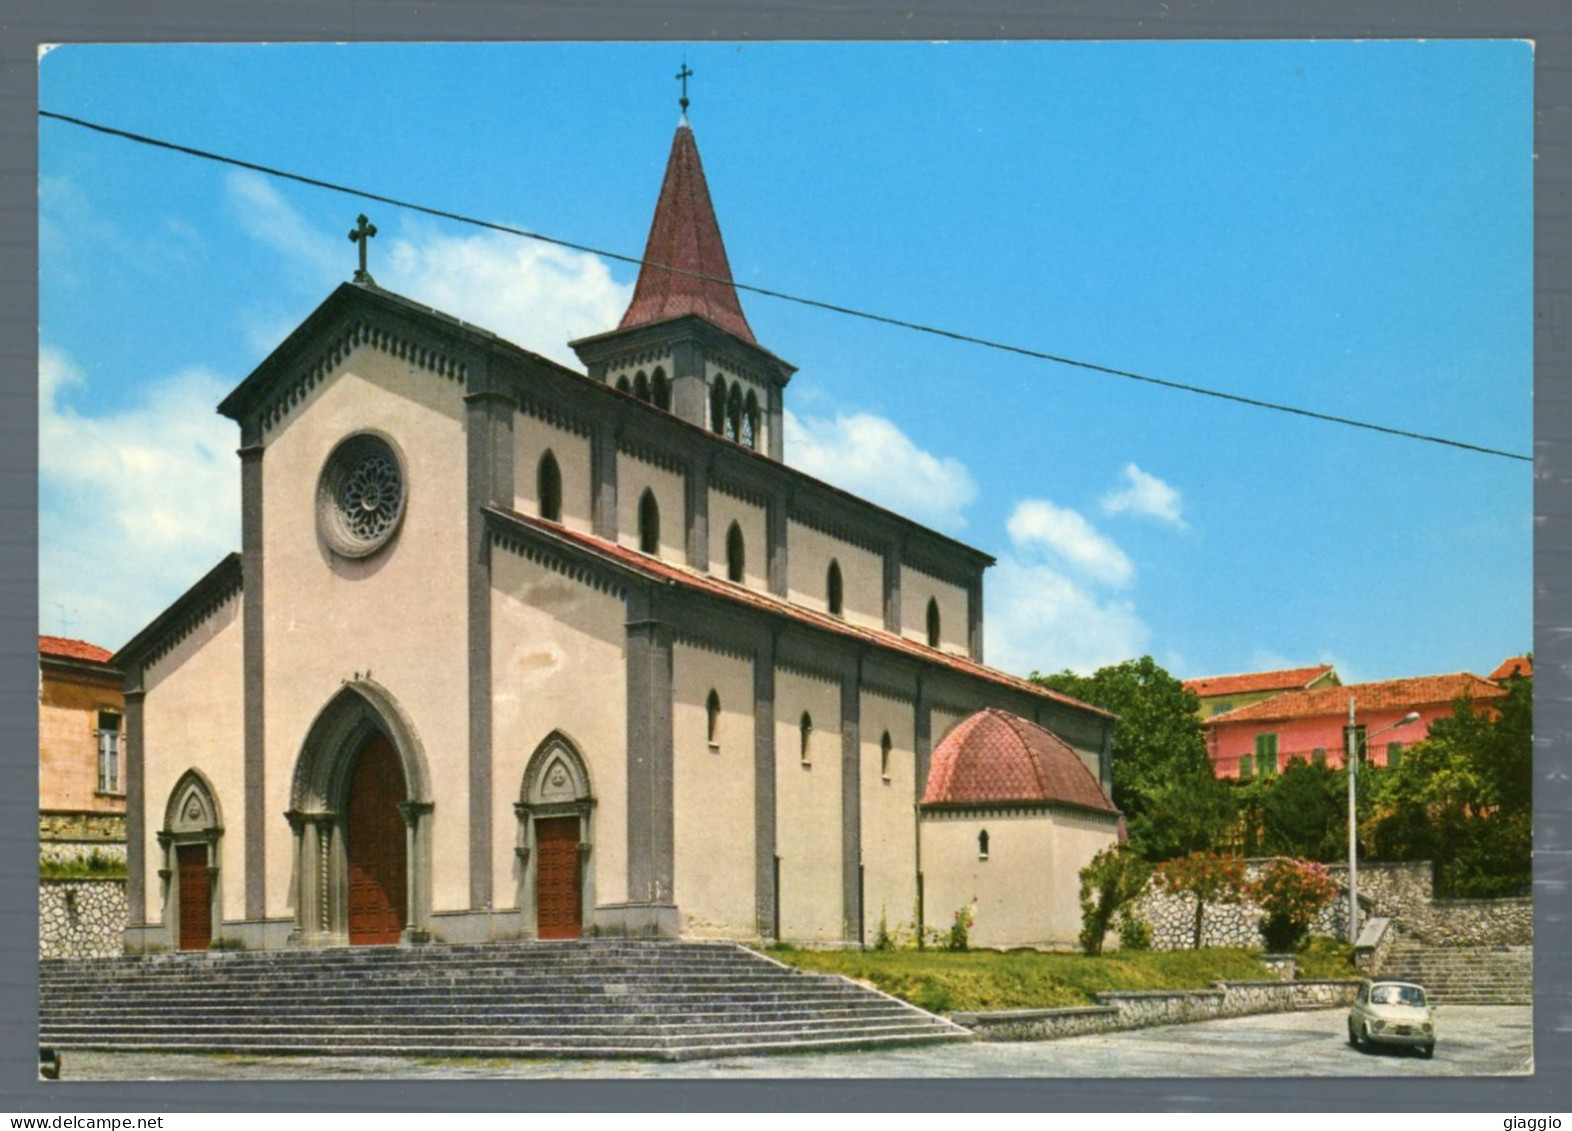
point(944, 982)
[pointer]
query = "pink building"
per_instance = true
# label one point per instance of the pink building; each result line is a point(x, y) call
point(1264, 737)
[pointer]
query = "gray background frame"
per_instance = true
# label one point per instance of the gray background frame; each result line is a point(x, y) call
point(31, 22)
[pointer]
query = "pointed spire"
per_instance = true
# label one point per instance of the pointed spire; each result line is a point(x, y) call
point(685, 236)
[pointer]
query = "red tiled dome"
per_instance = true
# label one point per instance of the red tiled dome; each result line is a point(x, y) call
point(994, 757)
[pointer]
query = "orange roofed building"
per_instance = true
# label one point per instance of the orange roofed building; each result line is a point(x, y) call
point(1308, 725)
point(1220, 694)
point(81, 770)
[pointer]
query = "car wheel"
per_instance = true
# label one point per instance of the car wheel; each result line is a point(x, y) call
point(1353, 1037)
point(1427, 1051)
point(1364, 1037)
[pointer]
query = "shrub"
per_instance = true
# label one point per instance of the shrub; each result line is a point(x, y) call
point(1135, 933)
point(960, 930)
point(886, 939)
point(1113, 879)
point(1291, 893)
point(1209, 876)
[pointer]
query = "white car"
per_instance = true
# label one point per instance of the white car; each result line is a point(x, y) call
point(1392, 1013)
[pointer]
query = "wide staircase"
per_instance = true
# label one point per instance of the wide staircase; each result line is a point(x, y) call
point(591, 998)
point(1464, 975)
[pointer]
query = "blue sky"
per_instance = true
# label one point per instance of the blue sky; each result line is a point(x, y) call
point(1341, 226)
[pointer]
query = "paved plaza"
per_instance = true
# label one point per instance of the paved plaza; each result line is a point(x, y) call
point(1472, 1041)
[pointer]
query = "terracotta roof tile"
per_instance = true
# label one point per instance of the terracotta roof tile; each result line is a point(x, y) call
point(68, 649)
point(1289, 679)
point(686, 236)
point(741, 594)
point(1514, 665)
point(1416, 691)
point(994, 756)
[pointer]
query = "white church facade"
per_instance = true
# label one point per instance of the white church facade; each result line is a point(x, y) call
point(511, 650)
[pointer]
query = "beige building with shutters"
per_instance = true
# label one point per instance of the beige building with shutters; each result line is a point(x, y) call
point(511, 650)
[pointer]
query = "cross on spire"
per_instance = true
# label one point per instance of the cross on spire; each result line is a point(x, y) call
point(361, 235)
point(685, 74)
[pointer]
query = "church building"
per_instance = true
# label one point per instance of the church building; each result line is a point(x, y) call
point(511, 650)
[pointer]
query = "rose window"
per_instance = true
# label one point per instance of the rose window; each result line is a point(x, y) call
point(360, 497)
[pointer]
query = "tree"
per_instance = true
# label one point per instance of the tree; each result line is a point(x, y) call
point(1304, 813)
point(1462, 798)
point(1115, 878)
point(1209, 876)
point(1162, 779)
point(1291, 893)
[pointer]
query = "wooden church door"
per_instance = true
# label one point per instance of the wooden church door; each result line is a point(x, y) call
point(196, 897)
point(558, 904)
point(378, 868)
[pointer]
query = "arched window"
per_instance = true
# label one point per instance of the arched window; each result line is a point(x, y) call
point(982, 845)
point(834, 590)
point(933, 622)
point(712, 718)
point(623, 386)
point(805, 729)
point(750, 421)
point(641, 386)
point(718, 406)
point(734, 414)
point(548, 488)
point(660, 389)
point(649, 523)
point(736, 556)
point(884, 756)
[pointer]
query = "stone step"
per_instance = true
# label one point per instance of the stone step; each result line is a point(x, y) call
point(664, 999)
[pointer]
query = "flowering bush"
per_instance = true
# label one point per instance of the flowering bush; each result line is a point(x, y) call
point(1209, 876)
point(960, 930)
point(1291, 893)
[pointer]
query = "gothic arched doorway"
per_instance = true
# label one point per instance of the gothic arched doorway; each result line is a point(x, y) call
point(190, 840)
point(556, 880)
point(378, 863)
point(361, 813)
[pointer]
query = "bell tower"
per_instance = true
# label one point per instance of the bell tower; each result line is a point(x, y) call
point(684, 344)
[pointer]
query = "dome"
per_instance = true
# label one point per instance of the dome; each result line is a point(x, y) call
point(994, 757)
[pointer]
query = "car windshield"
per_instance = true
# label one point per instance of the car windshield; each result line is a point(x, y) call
point(1397, 995)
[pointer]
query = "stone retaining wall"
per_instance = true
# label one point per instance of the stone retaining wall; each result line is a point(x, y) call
point(81, 918)
point(82, 826)
point(1142, 1009)
point(1402, 892)
point(61, 851)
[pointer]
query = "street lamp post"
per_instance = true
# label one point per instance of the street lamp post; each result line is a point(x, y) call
point(1351, 760)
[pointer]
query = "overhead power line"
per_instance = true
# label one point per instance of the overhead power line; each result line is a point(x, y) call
point(819, 304)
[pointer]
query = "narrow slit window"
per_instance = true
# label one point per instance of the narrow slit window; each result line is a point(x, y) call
point(649, 523)
point(641, 386)
point(712, 713)
point(548, 487)
point(884, 756)
point(736, 554)
point(734, 414)
point(718, 407)
point(660, 389)
point(933, 622)
point(982, 845)
point(750, 422)
point(805, 730)
point(834, 589)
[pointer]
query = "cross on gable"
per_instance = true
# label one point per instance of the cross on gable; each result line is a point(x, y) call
point(362, 233)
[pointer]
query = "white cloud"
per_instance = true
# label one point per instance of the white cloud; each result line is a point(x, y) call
point(1038, 523)
point(1145, 495)
point(534, 294)
point(135, 504)
point(1037, 618)
point(869, 456)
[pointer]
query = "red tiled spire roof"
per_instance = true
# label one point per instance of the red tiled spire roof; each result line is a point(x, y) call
point(67, 649)
point(994, 756)
point(1391, 694)
point(1291, 679)
point(685, 235)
